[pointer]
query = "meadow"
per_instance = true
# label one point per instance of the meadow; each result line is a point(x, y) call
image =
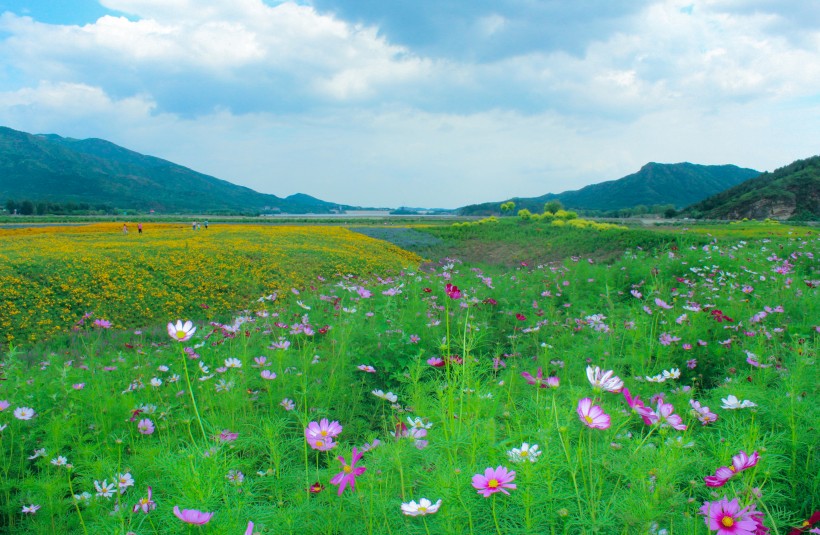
point(580, 380)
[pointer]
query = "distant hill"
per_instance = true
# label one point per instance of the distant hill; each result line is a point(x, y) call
point(50, 168)
point(791, 192)
point(679, 184)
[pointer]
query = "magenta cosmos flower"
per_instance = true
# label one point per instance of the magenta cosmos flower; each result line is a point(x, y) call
point(539, 380)
point(146, 504)
point(727, 518)
point(494, 480)
point(592, 415)
point(349, 472)
point(192, 516)
point(604, 380)
point(740, 462)
point(180, 332)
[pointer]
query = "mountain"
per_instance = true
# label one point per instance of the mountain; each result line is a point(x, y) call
point(791, 192)
point(50, 168)
point(679, 184)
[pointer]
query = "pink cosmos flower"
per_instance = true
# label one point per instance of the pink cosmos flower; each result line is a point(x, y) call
point(740, 462)
point(494, 480)
point(227, 436)
point(145, 504)
point(146, 426)
point(249, 529)
point(452, 291)
point(591, 415)
point(180, 332)
point(4, 404)
point(267, 374)
point(436, 362)
point(702, 413)
point(24, 413)
point(322, 430)
point(549, 382)
point(366, 368)
point(727, 518)
point(192, 516)
point(102, 324)
point(668, 418)
point(349, 472)
point(321, 444)
point(30, 509)
point(604, 380)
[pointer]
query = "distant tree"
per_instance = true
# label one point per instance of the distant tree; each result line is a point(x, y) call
point(41, 208)
point(11, 205)
point(524, 214)
point(669, 213)
point(26, 208)
point(507, 207)
point(553, 206)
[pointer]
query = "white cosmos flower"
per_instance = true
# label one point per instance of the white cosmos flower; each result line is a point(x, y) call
point(424, 507)
point(731, 403)
point(524, 453)
point(233, 362)
point(180, 332)
point(604, 380)
point(389, 396)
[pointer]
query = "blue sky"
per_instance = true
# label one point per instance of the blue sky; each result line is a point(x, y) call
point(420, 103)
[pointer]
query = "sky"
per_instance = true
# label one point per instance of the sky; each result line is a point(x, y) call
point(423, 103)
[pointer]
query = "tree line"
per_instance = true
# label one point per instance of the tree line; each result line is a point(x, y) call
point(28, 207)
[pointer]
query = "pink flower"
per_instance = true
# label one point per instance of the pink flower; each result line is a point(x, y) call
point(549, 382)
point(727, 518)
point(145, 504)
point(604, 380)
point(349, 472)
point(249, 529)
point(323, 430)
point(701, 412)
point(740, 462)
point(180, 332)
point(227, 436)
point(192, 516)
point(267, 374)
point(366, 368)
point(436, 362)
point(592, 415)
point(668, 418)
point(452, 291)
point(494, 480)
point(146, 426)
point(102, 324)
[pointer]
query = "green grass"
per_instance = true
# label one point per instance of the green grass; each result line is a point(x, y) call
point(560, 317)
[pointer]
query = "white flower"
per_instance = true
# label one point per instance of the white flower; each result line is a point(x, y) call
point(23, 413)
point(174, 378)
point(57, 461)
point(418, 423)
point(105, 489)
point(38, 453)
point(424, 507)
point(233, 362)
point(674, 373)
point(604, 380)
point(156, 381)
point(203, 368)
point(389, 396)
point(180, 332)
point(524, 453)
point(656, 378)
point(163, 368)
point(731, 403)
point(124, 481)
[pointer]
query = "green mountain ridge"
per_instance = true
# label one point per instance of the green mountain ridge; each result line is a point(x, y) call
point(51, 168)
point(679, 184)
point(790, 192)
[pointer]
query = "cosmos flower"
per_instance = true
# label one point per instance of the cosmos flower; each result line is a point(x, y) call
point(145, 504)
point(180, 332)
point(24, 413)
point(604, 380)
point(732, 403)
point(494, 480)
point(424, 507)
point(727, 518)
point(591, 415)
point(347, 477)
point(524, 453)
point(192, 516)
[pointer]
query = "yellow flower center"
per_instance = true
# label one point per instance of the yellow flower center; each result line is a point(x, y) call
point(524, 453)
point(347, 469)
point(323, 433)
point(727, 521)
point(180, 334)
point(493, 483)
point(588, 418)
point(320, 443)
point(422, 509)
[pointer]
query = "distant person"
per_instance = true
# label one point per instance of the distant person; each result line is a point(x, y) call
point(206, 224)
point(198, 227)
point(125, 228)
point(193, 225)
point(139, 228)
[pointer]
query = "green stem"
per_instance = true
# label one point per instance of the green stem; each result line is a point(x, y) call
point(193, 398)
point(495, 518)
point(76, 505)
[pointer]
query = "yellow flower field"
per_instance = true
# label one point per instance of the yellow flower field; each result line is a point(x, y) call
point(51, 276)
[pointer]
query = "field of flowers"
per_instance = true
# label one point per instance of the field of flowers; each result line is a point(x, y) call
point(669, 391)
point(51, 276)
